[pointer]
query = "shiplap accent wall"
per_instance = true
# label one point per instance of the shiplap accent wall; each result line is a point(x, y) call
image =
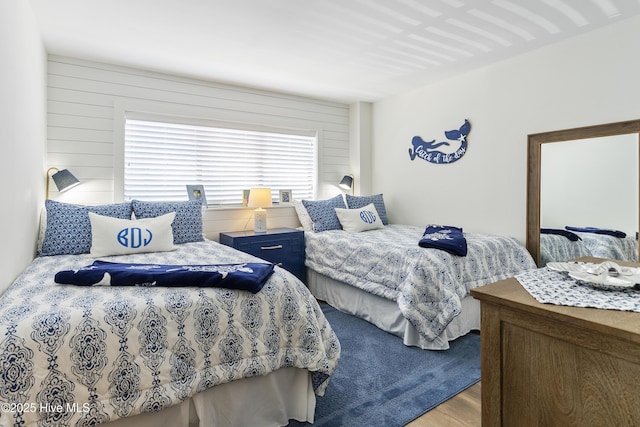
point(86, 106)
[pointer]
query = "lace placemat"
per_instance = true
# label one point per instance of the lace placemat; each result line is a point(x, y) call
point(552, 287)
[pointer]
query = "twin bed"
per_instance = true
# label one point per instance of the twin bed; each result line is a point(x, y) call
point(383, 275)
point(150, 355)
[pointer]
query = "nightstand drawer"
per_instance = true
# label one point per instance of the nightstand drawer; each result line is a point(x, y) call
point(282, 246)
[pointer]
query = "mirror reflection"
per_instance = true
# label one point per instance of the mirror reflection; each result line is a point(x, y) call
point(583, 188)
point(589, 199)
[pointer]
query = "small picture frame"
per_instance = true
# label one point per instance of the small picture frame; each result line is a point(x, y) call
point(285, 197)
point(197, 192)
point(245, 197)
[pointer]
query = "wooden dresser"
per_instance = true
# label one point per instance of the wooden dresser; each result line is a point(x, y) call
point(548, 365)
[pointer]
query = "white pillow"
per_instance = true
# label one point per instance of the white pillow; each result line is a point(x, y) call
point(303, 215)
point(356, 220)
point(42, 229)
point(116, 236)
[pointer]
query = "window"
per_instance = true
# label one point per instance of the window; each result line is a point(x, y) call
point(161, 158)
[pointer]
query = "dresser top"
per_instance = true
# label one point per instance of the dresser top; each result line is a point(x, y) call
point(510, 293)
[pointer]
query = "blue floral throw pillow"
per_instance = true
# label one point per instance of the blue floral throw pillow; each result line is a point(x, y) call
point(69, 229)
point(357, 202)
point(323, 213)
point(187, 227)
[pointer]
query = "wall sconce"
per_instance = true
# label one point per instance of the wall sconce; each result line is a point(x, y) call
point(348, 183)
point(260, 198)
point(63, 179)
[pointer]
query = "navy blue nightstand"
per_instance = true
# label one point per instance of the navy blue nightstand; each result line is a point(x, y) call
point(281, 246)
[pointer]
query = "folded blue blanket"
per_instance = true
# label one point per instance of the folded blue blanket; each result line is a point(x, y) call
point(246, 276)
point(446, 238)
point(560, 232)
point(614, 233)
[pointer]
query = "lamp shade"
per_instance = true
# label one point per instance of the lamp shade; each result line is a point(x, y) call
point(347, 182)
point(64, 180)
point(260, 198)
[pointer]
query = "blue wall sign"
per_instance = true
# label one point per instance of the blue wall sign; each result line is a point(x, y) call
point(426, 150)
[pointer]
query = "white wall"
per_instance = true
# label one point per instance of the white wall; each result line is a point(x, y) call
point(590, 79)
point(87, 101)
point(360, 147)
point(22, 136)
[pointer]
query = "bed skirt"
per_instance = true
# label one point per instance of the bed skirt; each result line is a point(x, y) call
point(269, 400)
point(386, 315)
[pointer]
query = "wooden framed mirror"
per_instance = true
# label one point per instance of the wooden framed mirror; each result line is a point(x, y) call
point(577, 137)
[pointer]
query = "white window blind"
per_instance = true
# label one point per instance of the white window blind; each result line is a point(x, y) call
point(162, 158)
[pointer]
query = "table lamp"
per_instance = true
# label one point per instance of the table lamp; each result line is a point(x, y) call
point(260, 198)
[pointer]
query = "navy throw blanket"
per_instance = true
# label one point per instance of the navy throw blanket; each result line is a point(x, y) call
point(614, 233)
point(560, 232)
point(246, 276)
point(446, 238)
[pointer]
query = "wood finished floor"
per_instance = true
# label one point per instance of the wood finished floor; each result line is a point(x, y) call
point(462, 410)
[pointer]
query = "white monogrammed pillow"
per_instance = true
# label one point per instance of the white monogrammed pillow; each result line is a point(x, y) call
point(115, 236)
point(362, 219)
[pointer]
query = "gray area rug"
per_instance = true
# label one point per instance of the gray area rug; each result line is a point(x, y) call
point(381, 382)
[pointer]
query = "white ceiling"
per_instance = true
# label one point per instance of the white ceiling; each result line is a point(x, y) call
point(344, 50)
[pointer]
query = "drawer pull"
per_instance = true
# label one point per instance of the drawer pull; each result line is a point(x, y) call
point(266, 248)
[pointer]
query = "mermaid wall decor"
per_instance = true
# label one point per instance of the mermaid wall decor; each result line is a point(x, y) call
point(427, 150)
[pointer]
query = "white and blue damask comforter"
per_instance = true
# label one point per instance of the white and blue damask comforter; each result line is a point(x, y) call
point(611, 247)
point(427, 284)
point(74, 355)
point(560, 249)
point(554, 248)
